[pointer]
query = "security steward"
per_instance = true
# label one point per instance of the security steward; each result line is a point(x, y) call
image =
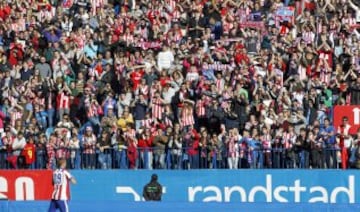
point(153, 190)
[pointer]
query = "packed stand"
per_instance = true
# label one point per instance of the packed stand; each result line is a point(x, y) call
point(178, 84)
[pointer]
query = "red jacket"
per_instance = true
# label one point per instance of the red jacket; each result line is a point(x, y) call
point(145, 143)
point(194, 144)
point(132, 154)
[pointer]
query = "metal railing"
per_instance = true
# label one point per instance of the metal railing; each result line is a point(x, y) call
point(185, 158)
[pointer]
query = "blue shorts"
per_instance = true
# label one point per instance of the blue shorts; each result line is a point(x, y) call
point(58, 204)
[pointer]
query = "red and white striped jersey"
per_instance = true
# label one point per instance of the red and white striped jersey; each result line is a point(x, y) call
point(45, 14)
point(288, 140)
point(325, 75)
point(302, 72)
point(63, 101)
point(326, 56)
point(96, 4)
point(187, 117)
point(308, 37)
point(92, 110)
point(50, 150)
point(228, 26)
point(266, 141)
point(15, 115)
point(171, 4)
point(128, 38)
point(233, 148)
point(349, 21)
point(21, 25)
point(14, 27)
point(147, 123)
point(220, 83)
point(200, 108)
point(61, 148)
point(89, 143)
point(157, 108)
point(176, 35)
point(176, 15)
point(168, 122)
point(61, 178)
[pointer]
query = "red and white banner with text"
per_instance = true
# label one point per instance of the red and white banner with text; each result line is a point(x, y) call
point(26, 184)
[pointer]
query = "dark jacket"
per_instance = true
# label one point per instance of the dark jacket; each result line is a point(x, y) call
point(355, 93)
point(152, 191)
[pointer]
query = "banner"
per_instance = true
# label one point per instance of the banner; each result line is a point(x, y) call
point(25, 184)
point(253, 24)
point(195, 186)
point(284, 14)
point(352, 112)
point(149, 45)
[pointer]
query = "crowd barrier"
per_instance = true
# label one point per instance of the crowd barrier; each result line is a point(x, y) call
point(228, 186)
point(150, 158)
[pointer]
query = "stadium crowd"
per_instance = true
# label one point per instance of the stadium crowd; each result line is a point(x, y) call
point(178, 84)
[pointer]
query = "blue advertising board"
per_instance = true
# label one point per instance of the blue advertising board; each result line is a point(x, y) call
point(234, 186)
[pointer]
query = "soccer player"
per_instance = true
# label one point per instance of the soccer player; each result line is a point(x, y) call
point(61, 193)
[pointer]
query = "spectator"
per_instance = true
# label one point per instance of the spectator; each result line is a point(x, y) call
point(104, 144)
point(88, 143)
point(120, 145)
point(160, 142)
point(29, 152)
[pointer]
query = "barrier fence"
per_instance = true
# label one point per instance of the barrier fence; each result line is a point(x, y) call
point(185, 158)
